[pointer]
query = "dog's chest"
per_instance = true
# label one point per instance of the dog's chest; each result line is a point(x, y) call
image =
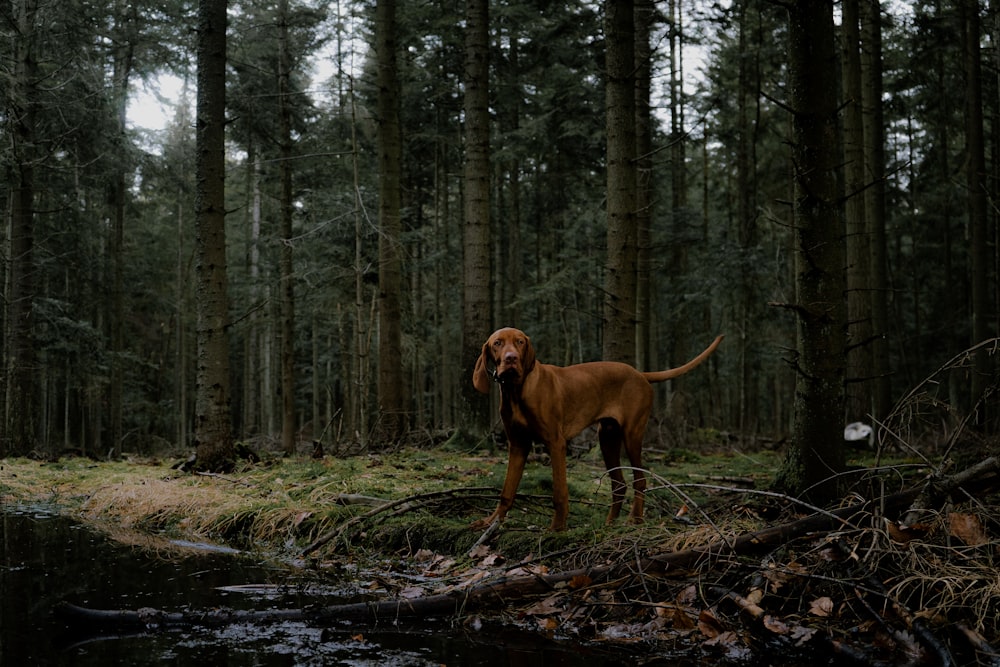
point(520, 420)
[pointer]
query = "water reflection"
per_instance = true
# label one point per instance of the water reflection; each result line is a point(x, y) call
point(47, 559)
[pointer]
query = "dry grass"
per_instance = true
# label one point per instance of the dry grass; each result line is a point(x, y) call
point(262, 507)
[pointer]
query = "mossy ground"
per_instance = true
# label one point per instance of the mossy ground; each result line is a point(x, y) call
point(283, 504)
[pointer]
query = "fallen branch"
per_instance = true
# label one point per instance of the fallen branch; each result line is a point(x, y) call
point(488, 534)
point(921, 631)
point(358, 499)
point(726, 479)
point(938, 488)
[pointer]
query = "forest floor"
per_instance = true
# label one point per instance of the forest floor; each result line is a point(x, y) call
point(721, 566)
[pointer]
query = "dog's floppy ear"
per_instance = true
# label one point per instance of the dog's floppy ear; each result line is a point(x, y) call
point(528, 358)
point(480, 376)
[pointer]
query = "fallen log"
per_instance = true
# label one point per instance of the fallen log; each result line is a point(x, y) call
point(938, 488)
point(985, 477)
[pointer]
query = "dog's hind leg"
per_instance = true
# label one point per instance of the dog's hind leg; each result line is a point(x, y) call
point(610, 434)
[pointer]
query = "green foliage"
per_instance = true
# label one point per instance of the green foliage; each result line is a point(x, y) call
point(711, 270)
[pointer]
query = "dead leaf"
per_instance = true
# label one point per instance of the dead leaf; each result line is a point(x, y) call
point(822, 607)
point(968, 528)
point(676, 617)
point(300, 517)
point(684, 620)
point(547, 607)
point(709, 625)
point(775, 625)
point(727, 638)
point(548, 624)
point(492, 559)
point(580, 581)
point(794, 567)
point(904, 534)
point(776, 578)
point(480, 551)
point(687, 596)
point(472, 577)
point(439, 565)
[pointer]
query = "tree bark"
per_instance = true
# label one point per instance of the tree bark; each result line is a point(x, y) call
point(213, 435)
point(645, 12)
point(622, 254)
point(286, 264)
point(682, 326)
point(859, 307)
point(747, 104)
point(816, 455)
point(477, 310)
point(390, 156)
point(975, 174)
point(126, 21)
point(255, 396)
point(874, 131)
point(20, 387)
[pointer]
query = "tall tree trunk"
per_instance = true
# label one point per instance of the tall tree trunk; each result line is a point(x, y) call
point(816, 455)
point(977, 189)
point(508, 234)
point(286, 267)
point(253, 384)
point(315, 409)
point(859, 308)
point(477, 313)
point(126, 17)
point(21, 404)
point(358, 398)
point(620, 272)
point(746, 188)
point(181, 314)
point(873, 122)
point(213, 430)
point(644, 15)
point(390, 157)
point(682, 325)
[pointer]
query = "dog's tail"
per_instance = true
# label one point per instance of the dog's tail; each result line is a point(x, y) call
point(661, 376)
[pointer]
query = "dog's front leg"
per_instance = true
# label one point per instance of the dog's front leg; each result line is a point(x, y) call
point(517, 456)
point(560, 485)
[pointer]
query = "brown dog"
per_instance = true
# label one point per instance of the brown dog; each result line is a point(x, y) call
point(551, 404)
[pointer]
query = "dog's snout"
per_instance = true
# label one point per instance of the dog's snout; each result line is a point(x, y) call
point(509, 357)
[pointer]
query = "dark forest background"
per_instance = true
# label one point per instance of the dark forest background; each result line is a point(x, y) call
point(99, 344)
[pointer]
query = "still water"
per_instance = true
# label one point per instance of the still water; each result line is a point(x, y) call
point(46, 559)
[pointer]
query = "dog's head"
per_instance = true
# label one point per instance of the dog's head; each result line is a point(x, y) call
point(509, 352)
